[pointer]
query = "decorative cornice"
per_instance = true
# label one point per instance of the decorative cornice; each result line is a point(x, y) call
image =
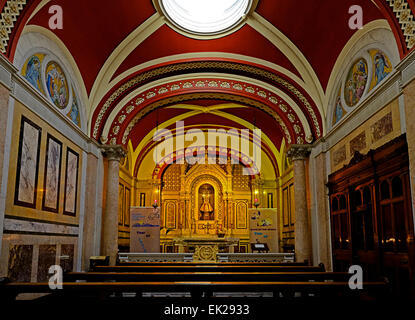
point(114, 153)
point(299, 151)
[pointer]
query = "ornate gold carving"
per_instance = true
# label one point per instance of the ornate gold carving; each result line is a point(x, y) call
point(205, 253)
point(171, 178)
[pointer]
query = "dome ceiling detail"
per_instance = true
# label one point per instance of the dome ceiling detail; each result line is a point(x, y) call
point(205, 17)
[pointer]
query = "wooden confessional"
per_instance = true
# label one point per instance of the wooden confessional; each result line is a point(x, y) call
point(371, 216)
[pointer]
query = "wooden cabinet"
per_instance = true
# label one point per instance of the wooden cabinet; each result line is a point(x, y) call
point(371, 216)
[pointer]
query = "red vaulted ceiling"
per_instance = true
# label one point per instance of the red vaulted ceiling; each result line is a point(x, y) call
point(93, 29)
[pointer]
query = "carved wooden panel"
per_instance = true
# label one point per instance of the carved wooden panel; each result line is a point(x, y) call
point(170, 210)
point(241, 214)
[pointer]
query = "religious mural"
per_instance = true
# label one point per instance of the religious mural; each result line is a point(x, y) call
point(52, 174)
point(357, 79)
point(381, 67)
point(50, 79)
point(356, 82)
point(339, 111)
point(57, 85)
point(71, 182)
point(74, 112)
point(32, 71)
point(28, 163)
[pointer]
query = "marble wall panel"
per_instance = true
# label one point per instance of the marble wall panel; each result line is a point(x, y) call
point(47, 258)
point(20, 263)
point(67, 250)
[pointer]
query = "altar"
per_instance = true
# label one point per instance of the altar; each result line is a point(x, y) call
point(205, 249)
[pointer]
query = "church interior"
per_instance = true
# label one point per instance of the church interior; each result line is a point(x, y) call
point(270, 141)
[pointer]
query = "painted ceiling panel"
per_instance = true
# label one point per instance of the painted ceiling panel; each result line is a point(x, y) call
point(166, 42)
point(93, 29)
point(319, 28)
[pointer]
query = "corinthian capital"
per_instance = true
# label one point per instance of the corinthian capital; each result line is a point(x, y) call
point(298, 151)
point(116, 152)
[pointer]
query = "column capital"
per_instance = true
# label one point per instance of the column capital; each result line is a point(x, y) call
point(114, 152)
point(299, 151)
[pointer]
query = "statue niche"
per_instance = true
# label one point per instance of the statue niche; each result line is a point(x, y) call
point(207, 200)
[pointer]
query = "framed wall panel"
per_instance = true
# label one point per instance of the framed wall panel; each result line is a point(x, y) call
point(285, 207)
point(170, 214)
point(71, 183)
point(27, 164)
point(127, 207)
point(292, 205)
point(120, 203)
point(52, 176)
point(241, 214)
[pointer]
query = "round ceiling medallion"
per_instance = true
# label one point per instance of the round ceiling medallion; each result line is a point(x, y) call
point(205, 17)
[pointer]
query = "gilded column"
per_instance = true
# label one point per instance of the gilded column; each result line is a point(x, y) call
point(303, 245)
point(110, 218)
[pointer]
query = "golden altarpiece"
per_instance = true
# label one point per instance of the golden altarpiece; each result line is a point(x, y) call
point(205, 209)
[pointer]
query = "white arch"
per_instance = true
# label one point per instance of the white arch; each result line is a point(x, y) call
point(230, 77)
point(376, 34)
point(36, 37)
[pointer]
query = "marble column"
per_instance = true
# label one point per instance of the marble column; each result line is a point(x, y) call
point(320, 209)
point(110, 218)
point(93, 204)
point(303, 245)
point(409, 95)
point(4, 154)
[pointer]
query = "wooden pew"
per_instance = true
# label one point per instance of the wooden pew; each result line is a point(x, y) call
point(209, 268)
point(206, 276)
point(103, 290)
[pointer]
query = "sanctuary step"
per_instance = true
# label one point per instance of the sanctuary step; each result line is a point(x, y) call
point(251, 267)
point(206, 276)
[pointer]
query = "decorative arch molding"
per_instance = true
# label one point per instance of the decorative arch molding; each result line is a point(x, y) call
point(401, 16)
point(273, 100)
point(120, 124)
point(298, 95)
point(194, 175)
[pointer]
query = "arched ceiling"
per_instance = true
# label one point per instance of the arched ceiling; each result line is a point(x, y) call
point(137, 70)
